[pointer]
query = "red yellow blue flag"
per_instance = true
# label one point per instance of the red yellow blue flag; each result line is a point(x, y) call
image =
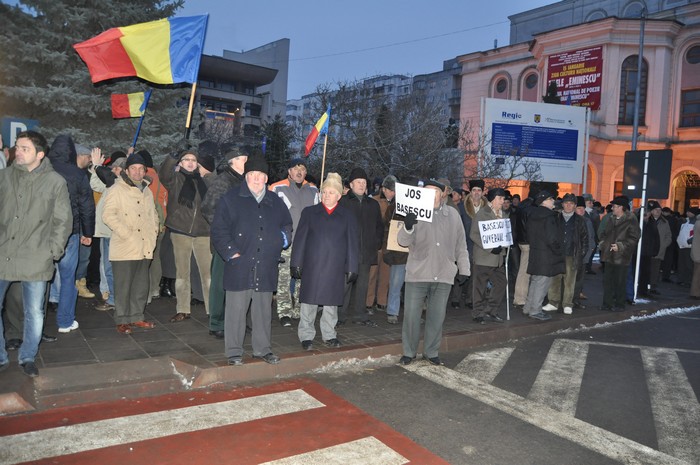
point(167, 51)
point(320, 128)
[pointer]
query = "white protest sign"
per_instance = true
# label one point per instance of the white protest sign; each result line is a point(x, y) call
point(417, 200)
point(495, 233)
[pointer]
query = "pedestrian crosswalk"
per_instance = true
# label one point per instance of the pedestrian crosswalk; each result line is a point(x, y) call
point(553, 398)
point(293, 423)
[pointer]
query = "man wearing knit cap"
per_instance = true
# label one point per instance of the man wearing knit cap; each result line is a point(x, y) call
point(251, 227)
point(473, 202)
point(489, 264)
point(546, 259)
point(618, 243)
point(297, 194)
point(575, 242)
point(371, 231)
point(130, 212)
point(231, 176)
point(437, 252)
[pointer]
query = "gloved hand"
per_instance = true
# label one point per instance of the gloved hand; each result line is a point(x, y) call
point(410, 221)
point(285, 241)
point(462, 279)
point(497, 250)
point(350, 277)
point(295, 271)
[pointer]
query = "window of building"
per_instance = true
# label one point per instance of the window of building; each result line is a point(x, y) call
point(690, 108)
point(633, 10)
point(693, 55)
point(628, 87)
point(501, 86)
point(529, 88)
point(531, 81)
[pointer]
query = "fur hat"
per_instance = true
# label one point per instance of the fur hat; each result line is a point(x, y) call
point(296, 162)
point(333, 181)
point(357, 173)
point(653, 204)
point(135, 159)
point(476, 183)
point(495, 192)
point(621, 200)
point(146, 157)
point(569, 198)
point(542, 196)
point(256, 163)
point(389, 182)
point(580, 201)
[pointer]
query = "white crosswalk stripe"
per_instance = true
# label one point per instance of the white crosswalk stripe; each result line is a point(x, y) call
point(553, 398)
point(365, 451)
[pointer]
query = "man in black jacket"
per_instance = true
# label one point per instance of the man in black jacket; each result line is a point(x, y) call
point(63, 290)
point(371, 231)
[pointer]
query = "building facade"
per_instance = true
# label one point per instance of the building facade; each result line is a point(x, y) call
point(669, 116)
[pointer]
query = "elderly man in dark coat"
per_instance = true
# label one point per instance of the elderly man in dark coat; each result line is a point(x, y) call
point(546, 234)
point(324, 256)
point(251, 227)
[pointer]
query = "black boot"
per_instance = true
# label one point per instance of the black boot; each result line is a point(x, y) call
point(167, 286)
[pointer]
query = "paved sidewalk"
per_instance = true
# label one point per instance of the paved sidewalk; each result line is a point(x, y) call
point(96, 363)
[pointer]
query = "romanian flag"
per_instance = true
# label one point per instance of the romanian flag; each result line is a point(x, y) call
point(320, 128)
point(129, 105)
point(167, 51)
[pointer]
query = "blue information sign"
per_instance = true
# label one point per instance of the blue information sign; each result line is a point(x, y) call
point(534, 141)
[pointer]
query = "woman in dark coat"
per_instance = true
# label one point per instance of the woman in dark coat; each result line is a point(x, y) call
point(325, 257)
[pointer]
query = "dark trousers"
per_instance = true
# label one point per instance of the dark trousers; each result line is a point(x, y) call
point(614, 284)
point(355, 296)
point(217, 294)
point(487, 302)
point(130, 290)
point(644, 275)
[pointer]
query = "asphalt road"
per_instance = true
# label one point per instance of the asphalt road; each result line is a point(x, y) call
point(622, 393)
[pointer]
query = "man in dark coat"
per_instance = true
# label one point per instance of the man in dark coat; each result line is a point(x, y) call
point(63, 158)
point(575, 240)
point(324, 256)
point(230, 177)
point(370, 234)
point(251, 227)
point(519, 224)
point(546, 260)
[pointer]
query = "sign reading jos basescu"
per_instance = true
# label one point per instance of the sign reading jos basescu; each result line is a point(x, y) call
point(417, 200)
point(578, 75)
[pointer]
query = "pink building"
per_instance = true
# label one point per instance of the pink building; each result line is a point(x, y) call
point(669, 115)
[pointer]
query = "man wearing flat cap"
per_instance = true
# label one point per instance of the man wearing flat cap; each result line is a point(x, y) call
point(489, 264)
point(297, 194)
point(618, 243)
point(251, 227)
point(437, 252)
point(230, 177)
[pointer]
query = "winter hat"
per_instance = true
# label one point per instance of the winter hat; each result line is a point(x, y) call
point(135, 159)
point(621, 200)
point(256, 163)
point(187, 152)
point(296, 162)
point(146, 157)
point(436, 183)
point(580, 201)
point(569, 198)
point(493, 193)
point(541, 197)
point(119, 162)
point(333, 181)
point(81, 149)
point(357, 173)
point(207, 162)
point(587, 197)
point(389, 182)
point(653, 204)
point(508, 195)
point(694, 210)
point(114, 157)
point(476, 183)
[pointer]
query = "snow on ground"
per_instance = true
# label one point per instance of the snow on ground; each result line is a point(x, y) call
point(634, 318)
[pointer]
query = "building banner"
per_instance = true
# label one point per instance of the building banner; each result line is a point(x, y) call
point(578, 75)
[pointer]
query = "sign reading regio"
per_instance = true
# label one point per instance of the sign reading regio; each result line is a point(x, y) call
point(495, 233)
point(417, 200)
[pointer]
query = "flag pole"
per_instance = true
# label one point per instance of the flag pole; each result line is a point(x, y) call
point(323, 163)
point(147, 97)
point(189, 111)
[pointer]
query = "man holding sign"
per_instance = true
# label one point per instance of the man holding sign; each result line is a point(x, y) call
point(434, 244)
point(490, 232)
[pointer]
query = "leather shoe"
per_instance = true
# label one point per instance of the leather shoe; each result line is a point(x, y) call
point(13, 344)
point(236, 360)
point(104, 307)
point(496, 318)
point(405, 360)
point(124, 329)
point(47, 338)
point(269, 357)
point(180, 317)
point(217, 334)
point(144, 324)
point(30, 369)
point(479, 319)
point(307, 345)
point(433, 360)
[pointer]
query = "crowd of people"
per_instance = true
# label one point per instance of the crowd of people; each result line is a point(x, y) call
point(245, 249)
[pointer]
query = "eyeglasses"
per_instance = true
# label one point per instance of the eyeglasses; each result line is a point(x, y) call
point(190, 159)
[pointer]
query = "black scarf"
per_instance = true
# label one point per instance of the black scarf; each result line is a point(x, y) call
point(189, 190)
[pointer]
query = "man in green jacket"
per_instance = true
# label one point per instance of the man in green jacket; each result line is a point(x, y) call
point(36, 219)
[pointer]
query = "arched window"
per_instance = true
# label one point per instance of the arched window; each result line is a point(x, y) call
point(596, 14)
point(633, 9)
point(628, 86)
point(690, 88)
point(500, 87)
point(529, 88)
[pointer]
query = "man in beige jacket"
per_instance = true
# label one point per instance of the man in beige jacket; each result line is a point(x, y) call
point(130, 213)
